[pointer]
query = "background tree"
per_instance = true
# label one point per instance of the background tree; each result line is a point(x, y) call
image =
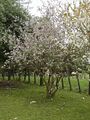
point(13, 20)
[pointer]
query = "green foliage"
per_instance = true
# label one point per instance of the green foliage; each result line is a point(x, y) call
point(13, 18)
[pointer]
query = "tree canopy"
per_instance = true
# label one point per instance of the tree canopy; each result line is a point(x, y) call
point(13, 19)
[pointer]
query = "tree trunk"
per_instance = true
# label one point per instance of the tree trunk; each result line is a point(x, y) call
point(25, 75)
point(78, 83)
point(50, 93)
point(9, 75)
point(41, 80)
point(13, 75)
point(69, 81)
point(89, 88)
point(3, 77)
point(28, 76)
point(34, 78)
point(19, 77)
point(51, 87)
point(62, 82)
point(89, 85)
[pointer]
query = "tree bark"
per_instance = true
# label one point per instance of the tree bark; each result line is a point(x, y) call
point(19, 76)
point(89, 85)
point(3, 76)
point(78, 83)
point(69, 81)
point(28, 76)
point(25, 75)
point(9, 75)
point(51, 87)
point(13, 75)
point(41, 80)
point(62, 82)
point(34, 78)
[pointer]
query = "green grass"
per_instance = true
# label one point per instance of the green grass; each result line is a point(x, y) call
point(15, 104)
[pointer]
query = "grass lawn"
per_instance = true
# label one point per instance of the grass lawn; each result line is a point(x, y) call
point(15, 104)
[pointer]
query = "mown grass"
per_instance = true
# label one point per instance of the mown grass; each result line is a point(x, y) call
point(15, 104)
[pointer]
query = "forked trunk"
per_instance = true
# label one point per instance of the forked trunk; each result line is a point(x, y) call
point(51, 86)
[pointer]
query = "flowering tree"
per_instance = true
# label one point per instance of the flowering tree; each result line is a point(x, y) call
point(54, 45)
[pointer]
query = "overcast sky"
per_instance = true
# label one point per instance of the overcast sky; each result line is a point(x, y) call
point(37, 3)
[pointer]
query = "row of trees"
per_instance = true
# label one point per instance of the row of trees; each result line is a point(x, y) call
point(54, 45)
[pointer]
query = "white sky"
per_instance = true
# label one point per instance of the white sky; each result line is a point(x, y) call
point(37, 3)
